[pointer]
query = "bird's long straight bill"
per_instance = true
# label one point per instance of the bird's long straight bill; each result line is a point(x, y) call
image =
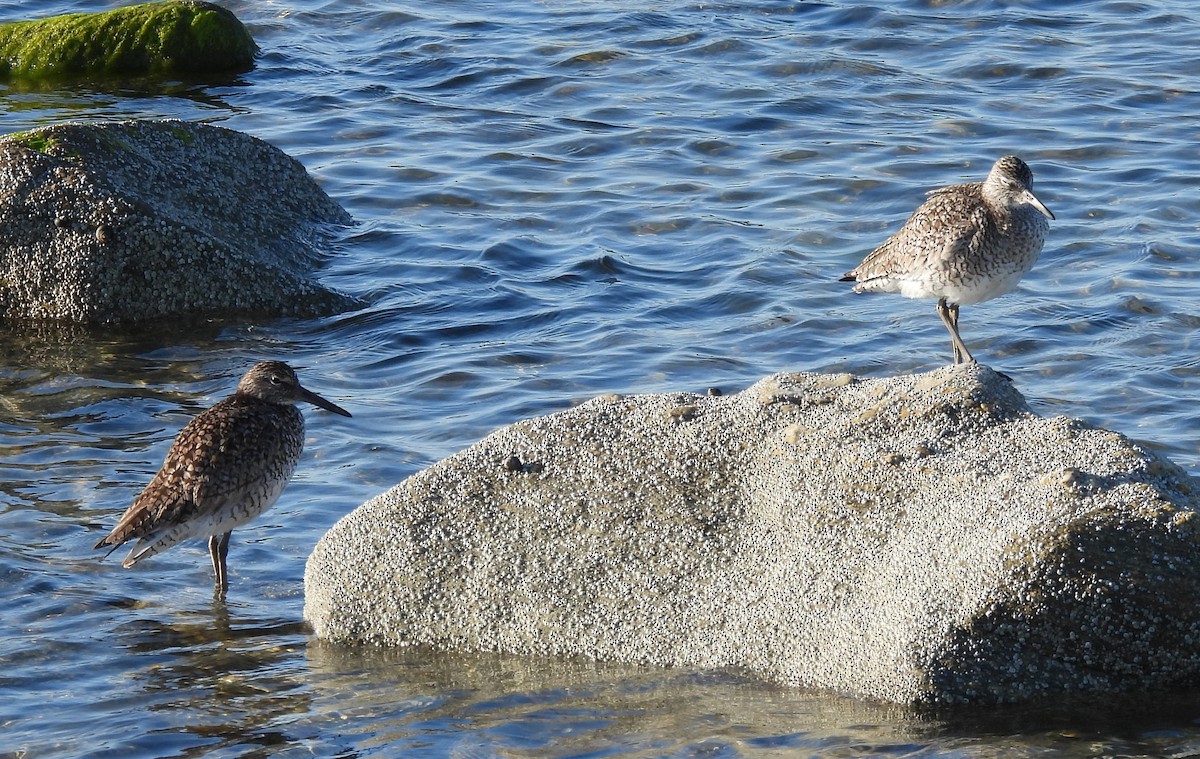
point(317, 400)
point(1032, 200)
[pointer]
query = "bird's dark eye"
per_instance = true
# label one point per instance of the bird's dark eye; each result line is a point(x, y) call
point(276, 379)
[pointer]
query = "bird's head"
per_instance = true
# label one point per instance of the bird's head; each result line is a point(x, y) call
point(276, 382)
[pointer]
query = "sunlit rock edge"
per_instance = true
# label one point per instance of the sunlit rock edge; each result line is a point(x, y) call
point(916, 539)
point(133, 221)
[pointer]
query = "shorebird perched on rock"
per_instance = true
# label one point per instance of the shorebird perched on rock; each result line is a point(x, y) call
point(967, 243)
point(227, 466)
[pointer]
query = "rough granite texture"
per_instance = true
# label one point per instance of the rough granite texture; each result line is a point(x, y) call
point(916, 539)
point(140, 220)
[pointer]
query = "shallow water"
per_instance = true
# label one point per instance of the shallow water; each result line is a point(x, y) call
point(556, 200)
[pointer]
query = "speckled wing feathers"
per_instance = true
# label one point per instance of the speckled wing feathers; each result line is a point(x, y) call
point(942, 233)
point(226, 466)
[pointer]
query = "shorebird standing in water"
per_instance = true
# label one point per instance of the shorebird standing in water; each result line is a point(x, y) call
point(227, 466)
point(967, 243)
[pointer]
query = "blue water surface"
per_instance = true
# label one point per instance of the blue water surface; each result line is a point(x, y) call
point(560, 199)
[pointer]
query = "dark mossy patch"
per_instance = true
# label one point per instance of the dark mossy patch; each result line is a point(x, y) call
point(170, 37)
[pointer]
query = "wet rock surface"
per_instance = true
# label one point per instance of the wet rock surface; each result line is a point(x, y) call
point(916, 539)
point(139, 220)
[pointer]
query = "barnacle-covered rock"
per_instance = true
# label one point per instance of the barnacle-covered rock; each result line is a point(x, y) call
point(139, 220)
point(916, 539)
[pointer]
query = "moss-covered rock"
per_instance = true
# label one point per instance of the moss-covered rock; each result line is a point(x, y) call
point(143, 220)
point(170, 37)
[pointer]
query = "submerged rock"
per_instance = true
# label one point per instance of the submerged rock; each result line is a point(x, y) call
point(141, 220)
point(172, 37)
point(918, 539)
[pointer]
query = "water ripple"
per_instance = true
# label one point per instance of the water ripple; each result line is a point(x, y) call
point(556, 201)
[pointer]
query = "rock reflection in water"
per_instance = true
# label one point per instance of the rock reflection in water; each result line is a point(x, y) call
point(492, 704)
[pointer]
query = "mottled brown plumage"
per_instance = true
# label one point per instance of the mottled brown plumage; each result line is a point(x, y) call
point(226, 466)
point(967, 243)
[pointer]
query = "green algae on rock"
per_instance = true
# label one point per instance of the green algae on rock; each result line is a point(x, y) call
point(170, 37)
point(134, 221)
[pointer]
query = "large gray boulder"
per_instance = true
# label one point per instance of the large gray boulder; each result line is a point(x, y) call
point(142, 220)
point(917, 539)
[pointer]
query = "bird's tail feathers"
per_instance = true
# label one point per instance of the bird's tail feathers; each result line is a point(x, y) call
point(148, 546)
point(107, 553)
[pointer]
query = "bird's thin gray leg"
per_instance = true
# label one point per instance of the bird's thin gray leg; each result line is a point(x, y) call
point(965, 356)
point(949, 315)
point(218, 549)
point(952, 311)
